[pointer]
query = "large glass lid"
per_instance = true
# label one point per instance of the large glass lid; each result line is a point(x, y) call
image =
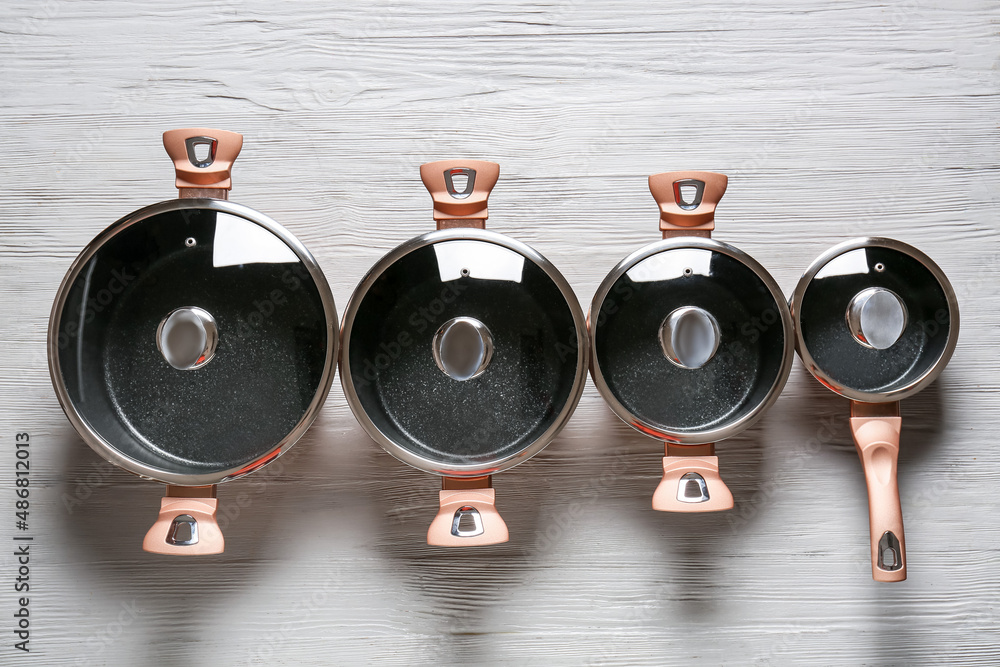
point(876, 319)
point(192, 339)
point(464, 352)
point(691, 339)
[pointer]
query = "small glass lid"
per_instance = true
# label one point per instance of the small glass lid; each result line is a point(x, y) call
point(193, 338)
point(464, 352)
point(691, 340)
point(876, 319)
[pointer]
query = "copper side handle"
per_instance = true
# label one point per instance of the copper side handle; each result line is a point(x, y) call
point(186, 524)
point(467, 514)
point(691, 481)
point(679, 217)
point(460, 190)
point(203, 160)
point(876, 428)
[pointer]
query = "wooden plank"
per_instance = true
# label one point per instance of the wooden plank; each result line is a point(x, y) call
point(833, 120)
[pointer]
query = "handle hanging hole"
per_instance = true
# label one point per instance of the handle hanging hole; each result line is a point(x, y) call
point(183, 531)
point(688, 193)
point(460, 182)
point(692, 488)
point(890, 553)
point(467, 522)
point(201, 151)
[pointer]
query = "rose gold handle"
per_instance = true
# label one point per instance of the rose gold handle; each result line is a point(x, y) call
point(460, 190)
point(691, 484)
point(186, 525)
point(467, 516)
point(877, 442)
point(203, 160)
point(687, 216)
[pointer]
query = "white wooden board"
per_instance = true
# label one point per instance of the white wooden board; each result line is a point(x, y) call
point(832, 119)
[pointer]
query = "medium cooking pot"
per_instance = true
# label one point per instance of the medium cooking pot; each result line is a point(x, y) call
point(876, 320)
point(464, 353)
point(193, 341)
point(691, 341)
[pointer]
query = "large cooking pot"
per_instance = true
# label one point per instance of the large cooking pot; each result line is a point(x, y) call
point(193, 341)
point(464, 353)
point(876, 320)
point(691, 341)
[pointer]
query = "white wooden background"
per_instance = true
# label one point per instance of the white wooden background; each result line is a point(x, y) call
point(832, 119)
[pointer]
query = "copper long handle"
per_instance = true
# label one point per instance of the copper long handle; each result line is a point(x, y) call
point(876, 437)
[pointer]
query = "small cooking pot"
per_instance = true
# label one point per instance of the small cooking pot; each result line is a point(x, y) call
point(193, 341)
point(464, 353)
point(691, 341)
point(876, 320)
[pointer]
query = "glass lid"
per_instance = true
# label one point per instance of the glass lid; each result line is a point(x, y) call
point(691, 340)
point(192, 339)
point(876, 319)
point(464, 352)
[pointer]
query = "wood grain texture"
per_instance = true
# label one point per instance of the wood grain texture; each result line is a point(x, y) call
point(832, 120)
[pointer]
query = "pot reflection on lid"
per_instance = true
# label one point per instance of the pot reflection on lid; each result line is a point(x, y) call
point(674, 264)
point(238, 241)
point(475, 259)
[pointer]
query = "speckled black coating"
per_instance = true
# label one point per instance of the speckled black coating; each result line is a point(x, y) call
point(674, 399)
point(266, 371)
point(822, 316)
point(499, 413)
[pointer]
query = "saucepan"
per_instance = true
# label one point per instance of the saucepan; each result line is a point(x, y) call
point(464, 353)
point(193, 341)
point(876, 320)
point(691, 341)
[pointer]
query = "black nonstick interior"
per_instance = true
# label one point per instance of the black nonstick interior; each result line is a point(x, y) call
point(528, 382)
point(268, 365)
point(732, 383)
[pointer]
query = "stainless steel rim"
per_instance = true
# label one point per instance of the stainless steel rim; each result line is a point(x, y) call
point(689, 437)
point(107, 450)
point(878, 242)
point(430, 465)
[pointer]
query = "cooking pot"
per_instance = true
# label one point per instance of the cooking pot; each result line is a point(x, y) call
point(691, 341)
point(464, 353)
point(193, 341)
point(876, 320)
